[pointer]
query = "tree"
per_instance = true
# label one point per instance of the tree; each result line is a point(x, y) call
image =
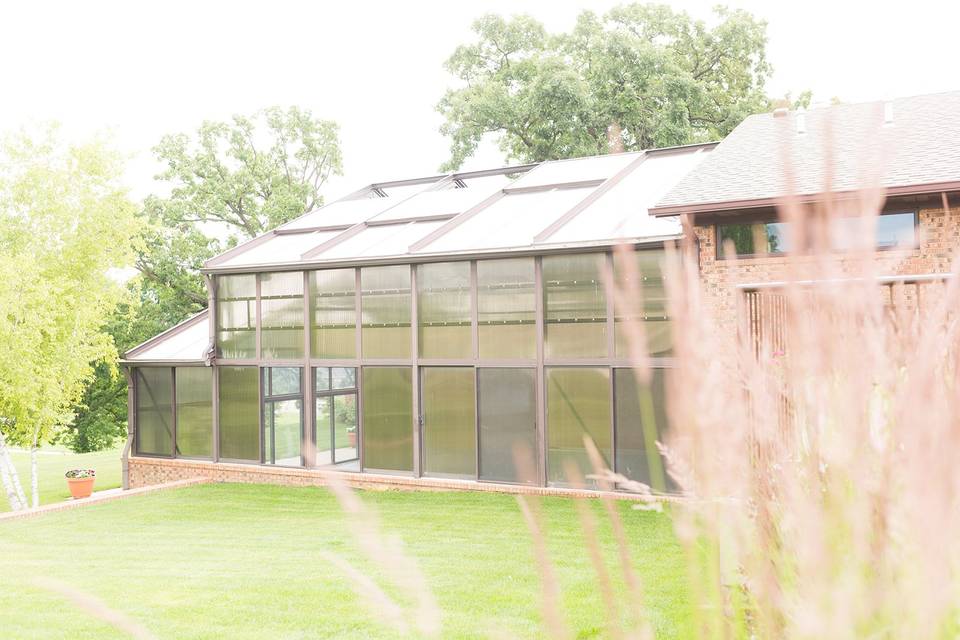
point(64, 223)
point(229, 182)
point(640, 77)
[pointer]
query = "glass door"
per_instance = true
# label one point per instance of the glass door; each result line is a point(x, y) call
point(336, 417)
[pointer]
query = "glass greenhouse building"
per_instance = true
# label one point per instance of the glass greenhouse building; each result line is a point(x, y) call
point(450, 327)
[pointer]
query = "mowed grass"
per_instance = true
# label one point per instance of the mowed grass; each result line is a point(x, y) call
point(53, 462)
point(247, 561)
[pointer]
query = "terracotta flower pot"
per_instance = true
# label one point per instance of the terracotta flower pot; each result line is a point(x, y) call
point(352, 439)
point(80, 487)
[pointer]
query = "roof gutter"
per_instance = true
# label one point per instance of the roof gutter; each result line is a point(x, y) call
point(756, 203)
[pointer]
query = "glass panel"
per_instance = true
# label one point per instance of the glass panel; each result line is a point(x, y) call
point(382, 240)
point(345, 428)
point(334, 313)
point(195, 411)
point(344, 377)
point(508, 424)
point(449, 416)
point(237, 317)
point(652, 312)
point(578, 405)
point(386, 311)
point(281, 432)
point(324, 454)
point(443, 307)
point(506, 314)
point(281, 303)
point(322, 378)
point(388, 418)
point(633, 452)
point(576, 170)
point(896, 229)
point(239, 413)
point(155, 411)
point(280, 248)
point(283, 381)
point(575, 306)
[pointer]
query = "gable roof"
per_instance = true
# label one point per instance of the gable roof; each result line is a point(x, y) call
point(560, 204)
point(908, 145)
point(185, 342)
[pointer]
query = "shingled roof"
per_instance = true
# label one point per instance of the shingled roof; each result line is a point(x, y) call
point(912, 145)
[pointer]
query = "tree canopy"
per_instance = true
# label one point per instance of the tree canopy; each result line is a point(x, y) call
point(64, 224)
point(639, 77)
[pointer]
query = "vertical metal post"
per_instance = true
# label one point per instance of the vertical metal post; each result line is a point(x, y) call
point(131, 427)
point(415, 378)
point(216, 412)
point(358, 346)
point(173, 410)
point(308, 445)
point(475, 334)
point(541, 372)
point(611, 349)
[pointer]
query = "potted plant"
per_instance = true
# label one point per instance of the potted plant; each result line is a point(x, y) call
point(352, 437)
point(80, 482)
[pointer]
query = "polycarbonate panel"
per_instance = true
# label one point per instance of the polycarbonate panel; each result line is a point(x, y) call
point(188, 342)
point(281, 308)
point(449, 422)
point(334, 312)
point(650, 308)
point(237, 317)
point(446, 202)
point(578, 405)
point(154, 411)
point(511, 221)
point(386, 311)
point(239, 413)
point(282, 424)
point(194, 411)
point(575, 306)
point(621, 212)
point(388, 418)
point(506, 313)
point(444, 310)
point(508, 424)
point(286, 247)
point(341, 213)
point(576, 170)
point(636, 446)
point(381, 240)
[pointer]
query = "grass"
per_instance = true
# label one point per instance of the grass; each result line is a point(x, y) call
point(53, 462)
point(245, 561)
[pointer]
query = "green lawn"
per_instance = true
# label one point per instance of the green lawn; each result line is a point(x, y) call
point(245, 561)
point(53, 462)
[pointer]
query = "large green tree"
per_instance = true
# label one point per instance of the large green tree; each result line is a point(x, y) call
point(64, 224)
point(639, 77)
point(226, 183)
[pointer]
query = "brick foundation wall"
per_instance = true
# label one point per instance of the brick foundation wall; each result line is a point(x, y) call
point(151, 471)
point(939, 242)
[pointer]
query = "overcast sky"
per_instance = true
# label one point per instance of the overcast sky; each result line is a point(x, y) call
point(143, 69)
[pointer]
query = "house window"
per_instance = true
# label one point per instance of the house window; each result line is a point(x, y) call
point(751, 239)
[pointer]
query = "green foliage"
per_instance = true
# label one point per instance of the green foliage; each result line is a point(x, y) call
point(642, 76)
point(64, 223)
point(229, 182)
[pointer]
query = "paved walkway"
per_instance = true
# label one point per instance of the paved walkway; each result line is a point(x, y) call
point(100, 496)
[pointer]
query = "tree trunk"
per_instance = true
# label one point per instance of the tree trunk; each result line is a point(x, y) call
point(11, 481)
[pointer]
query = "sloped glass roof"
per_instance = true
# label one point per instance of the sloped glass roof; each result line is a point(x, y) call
point(287, 247)
point(186, 341)
point(511, 221)
point(381, 240)
point(581, 201)
point(575, 170)
point(621, 212)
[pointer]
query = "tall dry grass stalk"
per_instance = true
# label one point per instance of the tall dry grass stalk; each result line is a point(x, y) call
point(818, 457)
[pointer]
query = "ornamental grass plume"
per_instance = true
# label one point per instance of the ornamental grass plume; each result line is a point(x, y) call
point(815, 446)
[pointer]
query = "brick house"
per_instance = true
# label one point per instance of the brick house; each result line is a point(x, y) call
point(440, 331)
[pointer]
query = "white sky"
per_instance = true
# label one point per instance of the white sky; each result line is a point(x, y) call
point(143, 69)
